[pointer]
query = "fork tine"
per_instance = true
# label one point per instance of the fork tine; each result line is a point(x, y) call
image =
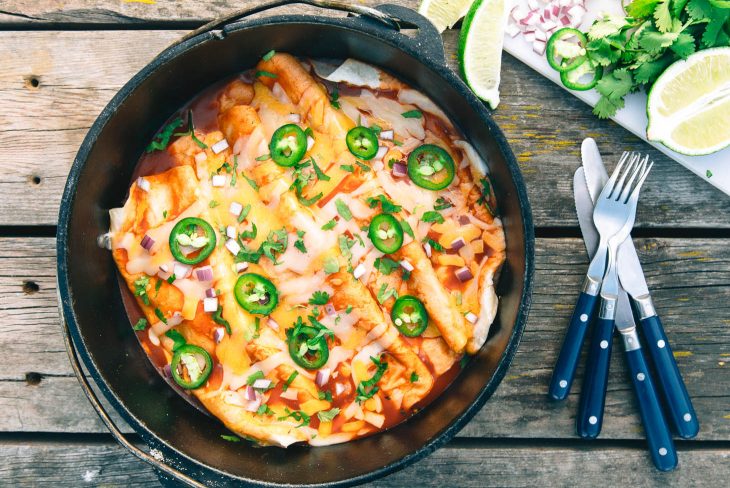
point(635, 194)
point(640, 167)
point(620, 185)
point(608, 187)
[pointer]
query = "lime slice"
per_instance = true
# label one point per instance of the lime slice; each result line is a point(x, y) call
point(444, 13)
point(480, 48)
point(689, 104)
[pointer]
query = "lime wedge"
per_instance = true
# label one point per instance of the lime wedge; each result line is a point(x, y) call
point(444, 13)
point(480, 48)
point(689, 104)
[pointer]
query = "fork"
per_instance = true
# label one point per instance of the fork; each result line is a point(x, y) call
point(614, 217)
point(565, 366)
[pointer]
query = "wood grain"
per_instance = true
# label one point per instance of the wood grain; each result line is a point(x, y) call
point(76, 73)
point(685, 276)
point(102, 463)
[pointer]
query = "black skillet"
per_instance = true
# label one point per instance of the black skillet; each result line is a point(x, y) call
point(184, 444)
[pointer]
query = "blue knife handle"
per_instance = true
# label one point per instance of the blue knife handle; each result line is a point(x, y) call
point(661, 446)
point(681, 411)
point(564, 371)
point(593, 394)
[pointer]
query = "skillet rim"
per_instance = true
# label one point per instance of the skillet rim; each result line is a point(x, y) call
point(359, 26)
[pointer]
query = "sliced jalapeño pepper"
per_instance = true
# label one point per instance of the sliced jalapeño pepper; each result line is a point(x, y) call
point(307, 347)
point(386, 233)
point(563, 54)
point(409, 316)
point(288, 145)
point(191, 365)
point(431, 167)
point(362, 142)
point(572, 79)
point(187, 233)
point(256, 294)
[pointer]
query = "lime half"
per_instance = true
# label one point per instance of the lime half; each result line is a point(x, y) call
point(689, 104)
point(480, 48)
point(444, 13)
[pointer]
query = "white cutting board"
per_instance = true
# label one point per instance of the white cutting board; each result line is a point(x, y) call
point(633, 115)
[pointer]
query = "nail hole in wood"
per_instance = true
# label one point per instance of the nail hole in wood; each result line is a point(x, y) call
point(36, 180)
point(30, 287)
point(32, 81)
point(33, 378)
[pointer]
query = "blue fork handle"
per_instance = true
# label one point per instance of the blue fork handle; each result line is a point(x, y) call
point(661, 446)
point(593, 394)
point(681, 411)
point(564, 371)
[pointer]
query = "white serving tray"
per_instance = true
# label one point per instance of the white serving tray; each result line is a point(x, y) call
point(633, 115)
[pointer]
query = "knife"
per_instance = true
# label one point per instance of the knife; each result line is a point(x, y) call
point(661, 446)
point(681, 412)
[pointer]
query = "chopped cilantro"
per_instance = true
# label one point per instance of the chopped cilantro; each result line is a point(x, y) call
point(218, 319)
point(141, 324)
point(263, 157)
point(384, 293)
point(264, 410)
point(213, 204)
point(366, 389)
point(140, 288)
point(414, 377)
point(244, 213)
point(285, 385)
point(177, 337)
point(325, 395)
point(268, 55)
point(319, 298)
point(335, 98)
point(387, 205)
point(407, 228)
point(160, 315)
point(249, 234)
point(258, 375)
point(297, 415)
point(432, 216)
point(164, 214)
point(708, 174)
point(230, 438)
point(363, 166)
point(386, 265)
point(348, 167)
point(328, 415)
point(318, 171)
point(348, 309)
point(299, 243)
point(331, 265)
point(412, 114)
point(267, 74)
point(250, 181)
point(343, 210)
point(442, 204)
point(329, 225)
point(162, 139)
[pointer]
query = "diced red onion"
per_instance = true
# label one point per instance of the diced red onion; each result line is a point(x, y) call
point(512, 30)
point(471, 318)
point(290, 394)
point(405, 264)
point(235, 208)
point(540, 36)
point(233, 246)
point(463, 274)
point(143, 184)
point(329, 309)
point(201, 157)
point(219, 146)
point(358, 271)
point(204, 273)
point(147, 242)
point(464, 219)
point(339, 388)
point(539, 47)
point(310, 142)
point(323, 376)
point(427, 248)
point(211, 293)
point(253, 406)
point(273, 324)
point(218, 334)
point(565, 20)
point(218, 180)
point(364, 122)
point(529, 37)
point(210, 305)
point(176, 319)
point(400, 170)
point(104, 241)
point(262, 384)
point(167, 371)
point(457, 243)
point(153, 337)
point(231, 232)
point(295, 118)
point(382, 150)
point(249, 393)
point(164, 268)
point(181, 271)
point(241, 267)
point(387, 135)
point(533, 4)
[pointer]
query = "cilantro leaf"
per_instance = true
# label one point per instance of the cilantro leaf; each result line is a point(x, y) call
point(662, 16)
point(318, 171)
point(319, 298)
point(141, 324)
point(328, 415)
point(684, 45)
point(285, 385)
point(343, 210)
point(432, 216)
point(616, 84)
point(162, 139)
point(177, 337)
point(412, 114)
point(329, 225)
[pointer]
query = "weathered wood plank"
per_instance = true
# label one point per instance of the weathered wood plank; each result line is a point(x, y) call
point(31, 13)
point(76, 73)
point(686, 276)
point(41, 464)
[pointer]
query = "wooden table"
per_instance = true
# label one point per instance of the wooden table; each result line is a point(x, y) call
point(60, 62)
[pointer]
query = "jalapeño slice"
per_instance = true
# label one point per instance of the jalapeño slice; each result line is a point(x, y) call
point(191, 365)
point(362, 142)
point(431, 167)
point(563, 55)
point(582, 78)
point(386, 233)
point(409, 316)
point(288, 145)
point(192, 233)
point(306, 348)
point(256, 294)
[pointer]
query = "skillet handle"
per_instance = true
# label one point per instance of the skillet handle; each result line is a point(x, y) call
point(160, 466)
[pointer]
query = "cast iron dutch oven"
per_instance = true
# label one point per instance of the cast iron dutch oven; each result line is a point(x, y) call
point(185, 443)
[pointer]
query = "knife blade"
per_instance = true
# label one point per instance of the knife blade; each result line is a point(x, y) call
point(632, 280)
point(595, 177)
